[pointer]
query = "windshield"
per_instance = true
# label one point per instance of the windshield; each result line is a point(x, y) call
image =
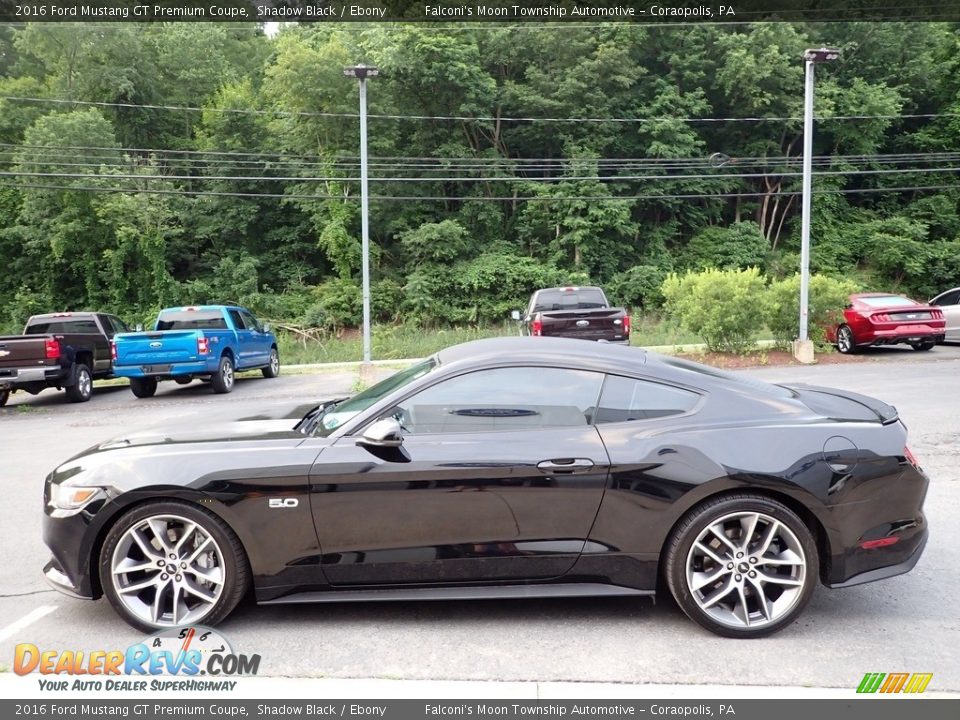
point(336, 415)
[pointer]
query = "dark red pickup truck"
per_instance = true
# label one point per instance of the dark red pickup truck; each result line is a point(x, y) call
point(61, 350)
point(574, 312)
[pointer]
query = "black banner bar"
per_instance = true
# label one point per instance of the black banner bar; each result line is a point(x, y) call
point(355, 709)
point(446, 11)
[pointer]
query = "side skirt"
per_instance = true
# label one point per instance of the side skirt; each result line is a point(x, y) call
point(489, 592)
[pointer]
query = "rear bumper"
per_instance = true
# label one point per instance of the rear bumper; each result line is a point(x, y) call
point(25, 377)
point(903, 334)
point(887, 571)
point(163, 370)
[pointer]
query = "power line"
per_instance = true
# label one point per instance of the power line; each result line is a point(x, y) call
point(443, 198)
point(465, 118)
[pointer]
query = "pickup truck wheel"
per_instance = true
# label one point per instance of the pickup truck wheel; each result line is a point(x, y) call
point(222, 381)
point(4, 395)
point(273, 369)
point(143, 387)
point(82, 388)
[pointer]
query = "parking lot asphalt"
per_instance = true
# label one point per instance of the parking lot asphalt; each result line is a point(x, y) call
point(904, 624)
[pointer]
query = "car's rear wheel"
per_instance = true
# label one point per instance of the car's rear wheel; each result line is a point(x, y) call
point(167, 564)
point(742, 566)
point(846, 343)
point(923, 346)
point(143, 387)
point(272, 370)
point(222, 381)
point(82, 388)
point(183, 380)
point(4, 396)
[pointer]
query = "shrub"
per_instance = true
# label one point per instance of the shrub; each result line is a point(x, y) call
point(723, 307)
point(827, 298)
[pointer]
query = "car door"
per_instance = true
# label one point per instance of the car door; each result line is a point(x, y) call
point(259, 340)
point(245, 343)
point(499, 477)
point(949, 303)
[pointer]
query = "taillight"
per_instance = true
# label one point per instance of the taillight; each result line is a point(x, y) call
point(881, 317)
point(911, 458)
point(203, 345)
point(51, 348)
point(626, 324)
point(880, 542)
point(937, 314)
point(536, 327)
point(113, 351)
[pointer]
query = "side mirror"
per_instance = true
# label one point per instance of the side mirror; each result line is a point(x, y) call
point(139, 327)
point(266, 328)
point(515, 315)
point(384, 433)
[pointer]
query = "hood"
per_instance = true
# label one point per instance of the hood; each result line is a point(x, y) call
point(218, 432)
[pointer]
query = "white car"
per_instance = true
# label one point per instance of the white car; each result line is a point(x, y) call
point(949, 302)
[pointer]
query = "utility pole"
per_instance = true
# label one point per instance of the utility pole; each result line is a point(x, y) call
point(361, 73)
point(803, 348)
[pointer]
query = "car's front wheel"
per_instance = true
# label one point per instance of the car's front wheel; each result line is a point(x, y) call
point(272, 369)
point(845, 340)
point(167, 564)
point(742, 566)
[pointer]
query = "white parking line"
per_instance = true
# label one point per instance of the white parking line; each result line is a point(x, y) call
point(28, 619)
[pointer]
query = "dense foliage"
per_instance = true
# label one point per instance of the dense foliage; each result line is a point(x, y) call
point(147, 165)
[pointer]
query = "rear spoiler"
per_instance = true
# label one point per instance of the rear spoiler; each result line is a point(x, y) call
point(839, 404)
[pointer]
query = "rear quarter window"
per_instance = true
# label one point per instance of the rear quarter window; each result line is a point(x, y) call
point(627, 399)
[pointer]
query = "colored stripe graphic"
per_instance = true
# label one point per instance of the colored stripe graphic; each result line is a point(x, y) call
point(895, 681)
point(870, 682)
point(918, 683)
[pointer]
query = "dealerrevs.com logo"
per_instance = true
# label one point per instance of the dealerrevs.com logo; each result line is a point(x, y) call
point(189, 651)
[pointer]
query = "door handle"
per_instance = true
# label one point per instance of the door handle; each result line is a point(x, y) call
point(565, 465)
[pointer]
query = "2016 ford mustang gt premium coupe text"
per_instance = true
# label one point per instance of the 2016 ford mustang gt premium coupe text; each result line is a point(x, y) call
point(505, 468)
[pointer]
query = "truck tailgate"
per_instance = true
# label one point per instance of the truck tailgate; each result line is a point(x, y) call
point(156, 347)
point(587, 324)
point(24, 351)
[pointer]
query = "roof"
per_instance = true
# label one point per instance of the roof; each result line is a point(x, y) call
point(542, 348)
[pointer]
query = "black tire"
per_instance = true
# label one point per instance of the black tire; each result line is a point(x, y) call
point(183, 380)
point(679, 556)
point(236, 571)
point(143, 387)
point(4, 396)
point(923, 346)
point(273, 369)
point(846, 342)
point(224, 378)
point(82, 388)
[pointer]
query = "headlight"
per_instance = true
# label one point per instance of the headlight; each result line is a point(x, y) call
point(67, 499)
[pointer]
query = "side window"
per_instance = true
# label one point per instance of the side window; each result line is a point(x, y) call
point(626, 399)
point(948, 299)
point(118, 325)
point(250, 321)
point(238, 323)
point(504, 399)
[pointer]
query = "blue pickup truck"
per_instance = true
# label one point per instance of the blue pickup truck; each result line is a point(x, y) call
point(210, 342)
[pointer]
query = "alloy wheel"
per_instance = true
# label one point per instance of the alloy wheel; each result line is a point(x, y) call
point(746, 570)
point(227, 373)
point(84, 383)
point(167, 570)
point(845, 340)
point(274, 362)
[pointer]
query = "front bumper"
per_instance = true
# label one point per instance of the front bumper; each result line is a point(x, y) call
point(58, 580)
point(71, 543)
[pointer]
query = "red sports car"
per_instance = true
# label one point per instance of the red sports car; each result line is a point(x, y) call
point(885, 319)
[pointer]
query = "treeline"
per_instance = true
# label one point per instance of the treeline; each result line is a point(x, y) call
point(144, 166)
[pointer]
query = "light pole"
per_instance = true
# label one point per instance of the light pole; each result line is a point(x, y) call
point(361, 73)
point(811, 58)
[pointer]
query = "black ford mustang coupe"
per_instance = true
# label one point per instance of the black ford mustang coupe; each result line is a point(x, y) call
point(505, 468)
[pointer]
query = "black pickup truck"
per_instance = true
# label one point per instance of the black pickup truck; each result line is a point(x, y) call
point(61, 350)
point(574, 312)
